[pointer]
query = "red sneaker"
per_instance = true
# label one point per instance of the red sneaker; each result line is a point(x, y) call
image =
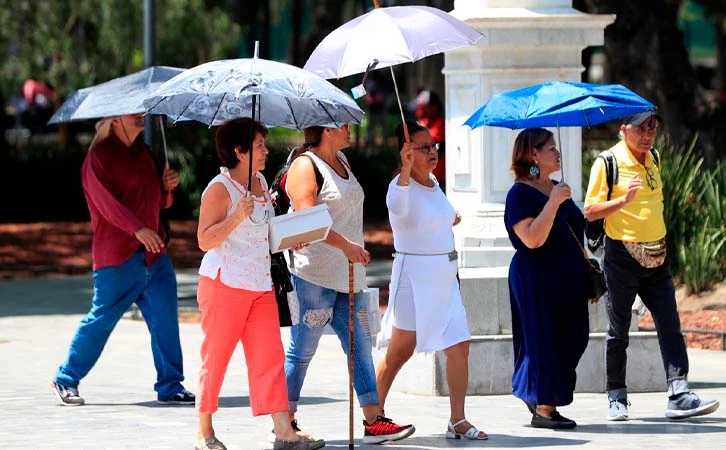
point(384, 429)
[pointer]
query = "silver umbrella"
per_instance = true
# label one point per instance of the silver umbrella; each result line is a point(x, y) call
point(280, 94)
point(117, 97)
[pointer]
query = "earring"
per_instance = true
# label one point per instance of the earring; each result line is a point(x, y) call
point(534, 170)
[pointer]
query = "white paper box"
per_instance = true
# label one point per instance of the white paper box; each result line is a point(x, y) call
point(298, 227)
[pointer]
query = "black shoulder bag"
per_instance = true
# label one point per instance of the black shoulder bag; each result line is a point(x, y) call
point(596, 286)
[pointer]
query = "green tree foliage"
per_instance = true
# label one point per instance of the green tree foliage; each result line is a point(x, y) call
point(645, 51)
point(77, 43)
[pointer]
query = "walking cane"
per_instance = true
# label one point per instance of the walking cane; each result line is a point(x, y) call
point(351, 325)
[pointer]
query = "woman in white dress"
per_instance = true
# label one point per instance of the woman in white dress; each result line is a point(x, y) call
point(424, 291)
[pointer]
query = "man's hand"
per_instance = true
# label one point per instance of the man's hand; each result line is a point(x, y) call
point(171, 179)
point(633, 187)
point(151, 240)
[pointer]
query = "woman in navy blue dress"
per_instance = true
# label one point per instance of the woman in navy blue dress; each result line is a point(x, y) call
point(546, 281)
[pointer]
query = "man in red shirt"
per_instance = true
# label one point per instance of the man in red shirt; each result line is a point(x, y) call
point(125, 195)
point(430, 113)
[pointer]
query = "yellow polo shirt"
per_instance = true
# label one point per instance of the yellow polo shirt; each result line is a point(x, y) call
point(640, 220)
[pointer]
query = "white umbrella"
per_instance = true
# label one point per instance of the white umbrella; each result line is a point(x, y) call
point(390, 36)
point(385, 37)
point(280, 95)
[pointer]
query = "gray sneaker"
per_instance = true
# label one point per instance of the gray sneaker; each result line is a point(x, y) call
point(301, 444)
point(618, 410)
point(67, 395)
point(210, 443)
point(688, 404)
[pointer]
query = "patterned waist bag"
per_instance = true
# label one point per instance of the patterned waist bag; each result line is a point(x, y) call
point(648, 254)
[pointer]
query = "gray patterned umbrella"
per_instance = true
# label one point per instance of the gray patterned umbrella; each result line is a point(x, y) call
point(284, 95)
point(117, 97)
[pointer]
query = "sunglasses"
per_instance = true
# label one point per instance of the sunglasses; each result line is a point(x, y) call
point(425, 149)
point(650, 178)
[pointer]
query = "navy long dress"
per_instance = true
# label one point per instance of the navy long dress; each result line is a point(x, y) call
point(550, 322)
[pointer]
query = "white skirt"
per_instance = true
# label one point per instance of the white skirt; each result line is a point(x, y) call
point(425, 298)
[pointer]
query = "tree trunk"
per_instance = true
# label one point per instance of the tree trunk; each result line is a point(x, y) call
point(721, 56)
point(645, 52)
point(295, 54)
point(326, 16)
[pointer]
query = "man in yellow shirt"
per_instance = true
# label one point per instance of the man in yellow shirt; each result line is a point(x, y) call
point(636, 263)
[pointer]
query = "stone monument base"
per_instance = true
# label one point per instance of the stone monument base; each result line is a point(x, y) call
point(491, 367)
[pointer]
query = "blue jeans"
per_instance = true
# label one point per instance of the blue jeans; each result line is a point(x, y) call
point(318, 307)
point(115, 288)
point(625, 278)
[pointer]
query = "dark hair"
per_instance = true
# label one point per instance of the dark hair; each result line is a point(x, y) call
point(413, 128)
point(525, 142)
point(313, 135)
point(236, 133)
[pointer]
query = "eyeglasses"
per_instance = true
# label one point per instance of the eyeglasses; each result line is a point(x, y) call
point(650, 178)
point(425, 149)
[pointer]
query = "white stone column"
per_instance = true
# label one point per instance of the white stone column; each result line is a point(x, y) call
point(525, 42)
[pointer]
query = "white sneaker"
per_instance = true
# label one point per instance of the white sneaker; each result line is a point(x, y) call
point(618, 410)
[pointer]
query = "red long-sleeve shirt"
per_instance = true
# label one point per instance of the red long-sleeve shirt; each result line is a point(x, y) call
point(124, 194)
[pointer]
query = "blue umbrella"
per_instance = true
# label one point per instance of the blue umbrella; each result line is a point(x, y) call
point(559, 104)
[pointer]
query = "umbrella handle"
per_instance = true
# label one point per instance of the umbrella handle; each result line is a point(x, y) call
point(169, 194)
point(400, 108)
point(562, 160)
point(351, 327)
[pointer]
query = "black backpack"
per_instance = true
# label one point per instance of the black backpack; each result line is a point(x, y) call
point(280, 200)
point(279, 272)
point(595, 230)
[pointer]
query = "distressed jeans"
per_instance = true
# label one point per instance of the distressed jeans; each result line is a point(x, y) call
point(320, 306)
point(625, 278)
point(115, 289)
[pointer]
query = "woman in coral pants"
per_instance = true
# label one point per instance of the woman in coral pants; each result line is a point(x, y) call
point(235, 289)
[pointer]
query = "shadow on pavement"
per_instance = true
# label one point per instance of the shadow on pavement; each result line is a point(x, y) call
point(241, 401)
point(657, 425)
point(48, 296)
point(705, 385)
point(440, 441)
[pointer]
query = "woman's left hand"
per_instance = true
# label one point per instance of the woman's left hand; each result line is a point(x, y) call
point(297, 247)
point(594, 301)
point(457, 219)
point(407, 156)
point(171, 179)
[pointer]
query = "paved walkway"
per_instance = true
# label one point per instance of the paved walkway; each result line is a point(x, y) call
point(38, 318)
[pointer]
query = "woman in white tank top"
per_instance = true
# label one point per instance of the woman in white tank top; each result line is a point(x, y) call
point(320, 276)
point(235, 289)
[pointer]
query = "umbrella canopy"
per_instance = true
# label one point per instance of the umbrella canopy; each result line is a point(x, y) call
point(285, 95)
point(117, 97)
point(559, 103)
point(389, 36)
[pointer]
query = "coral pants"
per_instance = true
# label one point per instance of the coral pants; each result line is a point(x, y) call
point(230, 315)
